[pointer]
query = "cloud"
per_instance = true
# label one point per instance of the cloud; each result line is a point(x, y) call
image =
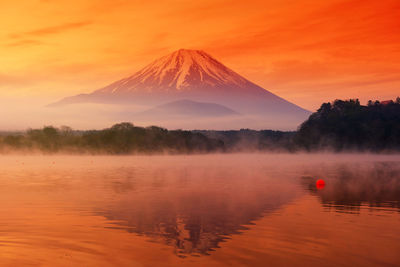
point(12, 80)
point(51, 30)
point(362, 82)
point(290, 71)
point(25, 38)
point(24, 42)
point(336, 28)
point(58, 28)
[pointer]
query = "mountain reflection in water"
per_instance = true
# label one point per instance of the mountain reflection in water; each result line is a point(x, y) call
point(195, 211)
point(200, 210)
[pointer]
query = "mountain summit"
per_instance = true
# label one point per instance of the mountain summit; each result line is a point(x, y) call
point(195, 75)
point(182, 70)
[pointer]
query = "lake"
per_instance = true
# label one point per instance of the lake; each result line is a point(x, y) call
point(200, 210)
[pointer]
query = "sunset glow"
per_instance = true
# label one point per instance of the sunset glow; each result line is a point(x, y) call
point(199, 133)
point(307, 52)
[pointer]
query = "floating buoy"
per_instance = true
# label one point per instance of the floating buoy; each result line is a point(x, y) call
point(320, 184)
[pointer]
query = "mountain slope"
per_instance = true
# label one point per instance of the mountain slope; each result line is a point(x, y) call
point(182, 71)
point(196, 76)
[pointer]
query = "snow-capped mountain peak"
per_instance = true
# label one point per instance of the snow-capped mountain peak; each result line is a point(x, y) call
point(182, 70)
point(197, 77)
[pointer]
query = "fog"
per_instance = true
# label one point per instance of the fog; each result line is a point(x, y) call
point(198, 207)
point(21, 114)
point(24, 114)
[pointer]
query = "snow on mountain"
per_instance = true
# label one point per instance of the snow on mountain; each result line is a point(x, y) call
point(196, 76)
point(183, 70)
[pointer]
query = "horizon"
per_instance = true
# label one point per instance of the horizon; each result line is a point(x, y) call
point(19, 130)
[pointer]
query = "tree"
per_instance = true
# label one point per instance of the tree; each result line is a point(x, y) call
point(349, 125)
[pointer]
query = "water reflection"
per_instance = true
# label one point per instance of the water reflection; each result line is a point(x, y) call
point(350, 187)
point(90, 210)
point(195, 211)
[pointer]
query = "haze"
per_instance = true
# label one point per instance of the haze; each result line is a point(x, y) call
point(204, 210)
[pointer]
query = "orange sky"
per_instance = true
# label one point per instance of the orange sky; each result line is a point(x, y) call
point(307, 51)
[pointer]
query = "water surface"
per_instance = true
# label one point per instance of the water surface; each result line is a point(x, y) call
point(207, 210)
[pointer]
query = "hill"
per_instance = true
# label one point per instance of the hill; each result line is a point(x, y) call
point(187, 109)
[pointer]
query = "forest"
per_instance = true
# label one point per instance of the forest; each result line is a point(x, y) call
point(343, 125)
point(121, 138)
point(350, 126)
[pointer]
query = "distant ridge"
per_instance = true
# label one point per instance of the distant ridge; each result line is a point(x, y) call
point(187, 108)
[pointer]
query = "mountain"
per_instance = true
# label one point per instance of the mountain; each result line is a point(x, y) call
point(187, 108)
point(196, 76)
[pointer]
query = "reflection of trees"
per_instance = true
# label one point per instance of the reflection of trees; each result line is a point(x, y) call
point(353, 186)
point(194, 219)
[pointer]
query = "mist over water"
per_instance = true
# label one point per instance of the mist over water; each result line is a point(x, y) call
point(356, 186)
point(204, 210)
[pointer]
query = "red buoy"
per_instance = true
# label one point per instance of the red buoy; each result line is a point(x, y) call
point(320, 184)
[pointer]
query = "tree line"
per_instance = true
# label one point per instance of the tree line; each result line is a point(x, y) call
point(343, 125)
point(121, 138)
point(348, 125)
